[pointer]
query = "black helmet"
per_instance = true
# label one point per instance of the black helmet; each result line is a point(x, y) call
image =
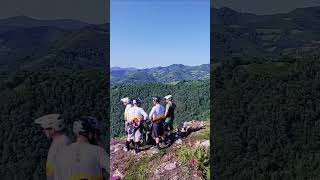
point(84, 125)
point(156, 98)
point(136, 101)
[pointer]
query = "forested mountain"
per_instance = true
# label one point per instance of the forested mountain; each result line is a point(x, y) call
point(247, 35)
point(46, 66)
point(266, 119)
point(28, 95)
point(191, 98)
point(265, 89)
point(19, 22)
point(175, 72)
point(61, 45)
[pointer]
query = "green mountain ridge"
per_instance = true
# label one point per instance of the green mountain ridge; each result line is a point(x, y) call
point(271, 36)
point(175, 72)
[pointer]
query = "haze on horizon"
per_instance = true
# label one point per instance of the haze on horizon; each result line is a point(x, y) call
point(93, 12)
point(128, 67)
point(264, 7)
point(145, 34)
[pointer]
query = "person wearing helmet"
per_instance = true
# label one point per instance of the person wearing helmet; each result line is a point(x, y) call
point(53, 126)
point(169, 115)
point(82, 159)
point(134, 121)
point(127, 104)
point(156, 116)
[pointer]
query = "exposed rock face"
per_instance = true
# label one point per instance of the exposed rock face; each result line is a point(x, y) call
point(193, 125)
point(205, 143)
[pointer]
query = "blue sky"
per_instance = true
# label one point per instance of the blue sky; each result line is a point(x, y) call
point(149, 33)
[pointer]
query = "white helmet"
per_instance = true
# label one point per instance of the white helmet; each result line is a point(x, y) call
point(54, 121)
point(125, 100)
point(169, 97)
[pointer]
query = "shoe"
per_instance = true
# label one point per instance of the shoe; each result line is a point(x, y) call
point(127, 148)
point(136, 148)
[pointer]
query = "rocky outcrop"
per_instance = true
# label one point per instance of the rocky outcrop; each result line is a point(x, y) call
point(163, 164)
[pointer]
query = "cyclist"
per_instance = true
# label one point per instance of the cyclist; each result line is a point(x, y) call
point(127, 103)
point(134, 122)
point(53, 126)
point(157, 116)
point(169, 115)
point(82, 159)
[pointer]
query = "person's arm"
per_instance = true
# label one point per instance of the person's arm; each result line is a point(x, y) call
point(151, 114)
point(144, 114)
point(167, 110)
point(125, 114)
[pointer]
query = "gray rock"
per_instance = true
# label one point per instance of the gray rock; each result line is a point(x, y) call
point(175, 178)
point(206, 143)
point(184, 168)
point(170, 166)
point(178, 141)
point(117, 147)
point(118, 174)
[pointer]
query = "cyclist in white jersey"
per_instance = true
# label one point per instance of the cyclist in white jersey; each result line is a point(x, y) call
point(134, 122)
point(82, 160)
point(53, 125)
point(157, 116)
point(127, 103)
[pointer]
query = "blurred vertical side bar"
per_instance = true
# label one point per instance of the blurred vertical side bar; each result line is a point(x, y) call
point(212, 149)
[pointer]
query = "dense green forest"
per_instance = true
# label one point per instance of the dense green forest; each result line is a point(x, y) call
point(27, 95)
point(191, 98)
point(266, 119)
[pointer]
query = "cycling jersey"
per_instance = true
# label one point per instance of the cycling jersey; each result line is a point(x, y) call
point(136, 114)
point(158, 112)
point(170, 107)
point(128, 107)
point(82, 160)
point(58, 144)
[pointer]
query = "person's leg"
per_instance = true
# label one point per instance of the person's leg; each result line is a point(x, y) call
point(160, 132)
point(167, 129)
point(157, 143)
point(129, 138)
point(125, 126)
point(171, 131)
point(137, 141)
point(127, 148)
point(155, 134)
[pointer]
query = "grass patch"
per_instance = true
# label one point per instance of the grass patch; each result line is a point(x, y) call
point(140, 169)
point(201, 135)
point(198, 158)
point(184, 174)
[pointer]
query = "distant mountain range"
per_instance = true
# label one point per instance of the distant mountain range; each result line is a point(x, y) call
point(175, 72)
point(64, 45)
point(18, 22)
point(243, 34)
point(31, 44)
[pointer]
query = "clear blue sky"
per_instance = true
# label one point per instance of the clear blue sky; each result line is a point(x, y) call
point(149, 33)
